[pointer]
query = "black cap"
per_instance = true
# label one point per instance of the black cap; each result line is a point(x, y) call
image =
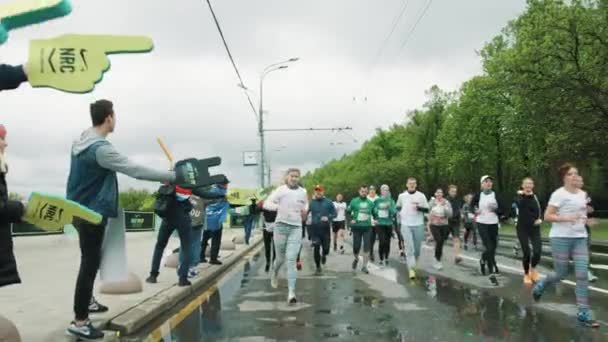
point(224, 180)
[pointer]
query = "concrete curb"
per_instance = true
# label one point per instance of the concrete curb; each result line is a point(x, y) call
point(135, 318)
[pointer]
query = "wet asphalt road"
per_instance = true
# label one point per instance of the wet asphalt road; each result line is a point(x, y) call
point(455, 304)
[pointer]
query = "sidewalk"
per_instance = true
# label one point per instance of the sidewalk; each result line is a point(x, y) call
point(41, 307)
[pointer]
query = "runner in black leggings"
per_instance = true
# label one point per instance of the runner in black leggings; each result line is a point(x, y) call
point(269, 217)
point(528, 229)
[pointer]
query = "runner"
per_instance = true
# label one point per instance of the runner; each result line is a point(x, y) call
point(269, 223)
point(290, 203)
point(372, 196)
point(468, 216)
point(412, 205)
point(339, 224)
point(528, 229)
point(92, 182)
point(439, 216)
point(360, 209)
point(567, 211)
point(580, 184)
point(10, 212)
point(454, 220)
point(384, 212)
point(322, 212)
point(489, 211)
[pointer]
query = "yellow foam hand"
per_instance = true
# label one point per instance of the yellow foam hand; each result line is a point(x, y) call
point(20, 13)
point(52, 213)
point(75, 63)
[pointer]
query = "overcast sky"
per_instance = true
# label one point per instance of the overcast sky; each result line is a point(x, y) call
point(186, 90)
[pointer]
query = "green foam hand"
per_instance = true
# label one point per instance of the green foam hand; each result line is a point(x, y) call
point(52, 213)
point(20, 13)
point(75, 63)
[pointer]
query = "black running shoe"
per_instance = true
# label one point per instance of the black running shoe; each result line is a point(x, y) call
point(86, 332)
point(152, 279)
point(323, 259)
point(95, 307)
point(355, 262)
point(184, 282)
point(493, 280)
point(215, 262)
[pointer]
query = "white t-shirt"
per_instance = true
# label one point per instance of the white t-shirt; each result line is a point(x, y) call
point(289, 204)
point(410, 216)
point(487, 215)
point(340, 211)
point(568, 203)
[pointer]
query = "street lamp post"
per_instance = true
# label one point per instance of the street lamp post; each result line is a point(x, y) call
point(267, 70)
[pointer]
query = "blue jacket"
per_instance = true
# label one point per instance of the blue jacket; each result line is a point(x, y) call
point(217, 211)
point(320, 207)
point(91, 185)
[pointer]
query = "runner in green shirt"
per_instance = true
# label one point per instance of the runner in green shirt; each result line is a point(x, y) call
point(361, 210)
point(384, 212)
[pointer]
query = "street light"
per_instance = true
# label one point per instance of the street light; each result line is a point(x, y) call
point(271, 68)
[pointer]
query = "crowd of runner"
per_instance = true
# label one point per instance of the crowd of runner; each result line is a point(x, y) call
point(415, 218)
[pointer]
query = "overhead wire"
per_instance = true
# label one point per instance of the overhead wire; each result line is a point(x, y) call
point(411, 33)
point(236, 69)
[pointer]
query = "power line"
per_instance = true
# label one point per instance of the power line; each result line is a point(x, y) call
point(238, 74)
point(394, 25)
point(407, 38)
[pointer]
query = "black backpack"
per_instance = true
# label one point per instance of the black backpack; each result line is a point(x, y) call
point(164, 197)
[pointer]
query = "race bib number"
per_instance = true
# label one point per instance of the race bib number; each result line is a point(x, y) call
point(362, 217)
point(383, 213)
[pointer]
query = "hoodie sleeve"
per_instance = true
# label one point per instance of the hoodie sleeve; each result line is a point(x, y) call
point(272, 202)
point(109, 158)
point(11, 76)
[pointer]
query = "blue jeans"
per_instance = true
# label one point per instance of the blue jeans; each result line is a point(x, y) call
point(413, 236)
point(177, 219)
point(249, 226)
point(195, 248)
point(287, 241)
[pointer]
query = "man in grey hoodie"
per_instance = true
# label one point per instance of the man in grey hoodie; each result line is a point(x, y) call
point(92, 182)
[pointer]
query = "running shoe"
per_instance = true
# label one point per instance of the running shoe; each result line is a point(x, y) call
point(534, 276)
point(538, 290)
point(355, 262)
point(323, 259)
point(365, 270)
point(527, 279)
point(493, 280)
point(591, 276)
point(86, 332)
point(150, 280)
point(318, 271)
point(584, 318)
point(438, 266)
point(96, 307)
point(412, 274)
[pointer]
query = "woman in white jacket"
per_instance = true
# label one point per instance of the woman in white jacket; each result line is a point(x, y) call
point(291, 203)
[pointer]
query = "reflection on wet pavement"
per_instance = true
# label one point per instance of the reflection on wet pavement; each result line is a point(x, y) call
point(341, 305)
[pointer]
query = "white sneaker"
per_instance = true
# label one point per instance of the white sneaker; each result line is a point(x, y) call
point(274, 279)
point(438, 266)
point(291, 297)
point(591, 276)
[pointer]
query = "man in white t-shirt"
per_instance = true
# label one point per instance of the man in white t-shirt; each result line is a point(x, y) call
point(412, 205)
point(339, 223)
point(291, 203)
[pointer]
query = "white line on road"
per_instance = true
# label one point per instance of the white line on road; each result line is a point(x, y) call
point(519, 271)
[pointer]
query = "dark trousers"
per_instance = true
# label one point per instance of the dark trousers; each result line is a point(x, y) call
point(321, 237)
point(469, 229)
point(399, 237)
point(177, 218)
point(361, 236)
point(372, 242)
point(268, 246)
point(527, 235)
point(249, 226)
point(384, 241)
point(440, 234)
point(90, 238)
point(216, 241)
point(489, 238)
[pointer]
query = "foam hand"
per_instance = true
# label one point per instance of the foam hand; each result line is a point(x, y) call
point(75, 63)
point(52, 213)
point(20, 13)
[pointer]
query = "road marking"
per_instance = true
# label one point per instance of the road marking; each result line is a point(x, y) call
point(519, 271)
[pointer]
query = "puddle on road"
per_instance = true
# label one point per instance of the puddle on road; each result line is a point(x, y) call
point(467, 313)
